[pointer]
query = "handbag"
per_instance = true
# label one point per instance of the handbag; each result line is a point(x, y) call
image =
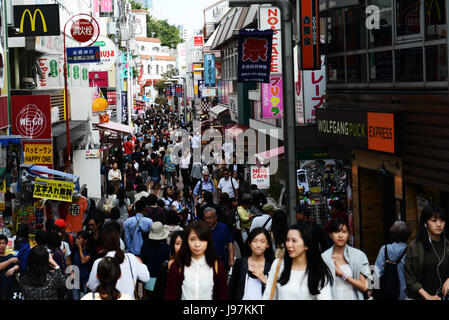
point(273, 287)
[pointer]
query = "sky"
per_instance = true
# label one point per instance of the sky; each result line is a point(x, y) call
point(182, 12)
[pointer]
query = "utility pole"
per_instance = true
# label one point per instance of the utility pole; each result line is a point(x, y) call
point(288, 93)
point(118, 62)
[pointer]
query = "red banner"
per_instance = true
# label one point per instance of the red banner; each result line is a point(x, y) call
point(98, 79)
point(310, 35)
point(31, 116)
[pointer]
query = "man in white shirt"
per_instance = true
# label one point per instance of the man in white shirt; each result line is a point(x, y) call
point(196, 141)
point(228, 185)
point(265, 220)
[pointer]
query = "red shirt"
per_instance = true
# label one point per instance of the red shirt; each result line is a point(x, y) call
point(128, 145)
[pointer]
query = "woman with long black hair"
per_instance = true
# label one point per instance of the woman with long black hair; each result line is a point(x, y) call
point(302, 273)
point(250, 274)
point(43, 277)
point(427, 257)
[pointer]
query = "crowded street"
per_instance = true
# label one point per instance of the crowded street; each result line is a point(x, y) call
point(236, 150)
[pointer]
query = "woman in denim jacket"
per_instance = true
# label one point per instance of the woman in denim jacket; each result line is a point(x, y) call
point(349, 266)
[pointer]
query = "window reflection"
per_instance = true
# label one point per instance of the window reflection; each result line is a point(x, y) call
point(381, 66)
point(335, 31)
point(435, 13)
point(355, 34)
point(409, 65)
point(408, 22)
point(336, 70)
point(382, 37)
point(356, 68)
point(436, 63)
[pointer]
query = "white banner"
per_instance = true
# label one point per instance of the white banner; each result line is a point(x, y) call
point(314, 91)
point(51, 69)
point(270, 18)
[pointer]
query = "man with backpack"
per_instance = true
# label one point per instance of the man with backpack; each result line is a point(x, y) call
point(136, 227)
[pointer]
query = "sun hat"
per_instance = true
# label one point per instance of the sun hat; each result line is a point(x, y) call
point(158, 232)
point(206, 172)
point(268, 207)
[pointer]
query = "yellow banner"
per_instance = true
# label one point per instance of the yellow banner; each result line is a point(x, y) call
point(52, 189)
point(3, 186)
point(38, 153)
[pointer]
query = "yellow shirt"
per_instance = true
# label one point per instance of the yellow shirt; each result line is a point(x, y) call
point(244, 214)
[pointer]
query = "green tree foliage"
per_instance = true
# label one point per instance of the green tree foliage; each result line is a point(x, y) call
point(161, 29)
point(135, 5)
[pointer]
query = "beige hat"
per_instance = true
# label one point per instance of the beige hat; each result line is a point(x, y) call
point(268, 207)
point(205, 171)
point(158, 232)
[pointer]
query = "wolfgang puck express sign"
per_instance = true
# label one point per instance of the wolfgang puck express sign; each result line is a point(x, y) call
point(365, 130)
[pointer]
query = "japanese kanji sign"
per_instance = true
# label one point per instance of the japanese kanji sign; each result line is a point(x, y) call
point(83, 55)
point(168, 92)
point(38, 153)
point(3, 186)
point(310, 35)
point(314, 91)
point(255, 49)
point(54, 190)
point(178, 89)
point(272, 98)
point(209, 70)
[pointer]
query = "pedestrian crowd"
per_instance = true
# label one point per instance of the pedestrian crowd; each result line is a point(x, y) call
point(172, 230)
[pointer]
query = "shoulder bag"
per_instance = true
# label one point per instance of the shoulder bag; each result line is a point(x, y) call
point(273, 287)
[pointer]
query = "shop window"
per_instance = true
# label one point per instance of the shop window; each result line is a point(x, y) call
point(409, 65)
point(149, 69)
point(381, 66)
point(435, 15)
point(336, 70)
point(408, 19)
point(355, 35)
point(382, 37)
point(335, 31)
point(356, 66)
point(436, 63)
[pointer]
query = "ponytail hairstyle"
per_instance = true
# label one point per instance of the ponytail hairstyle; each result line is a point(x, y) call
point(108, 273)
point(317, 270)
point(110, 241)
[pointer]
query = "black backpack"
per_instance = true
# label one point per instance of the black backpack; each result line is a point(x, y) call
point(389, 281)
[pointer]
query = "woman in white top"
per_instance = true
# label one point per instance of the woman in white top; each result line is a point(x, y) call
point(108, 274)
point(196, 274)
point(302, 273)
point(250, 274)
point(349, 266)
point(132, 269)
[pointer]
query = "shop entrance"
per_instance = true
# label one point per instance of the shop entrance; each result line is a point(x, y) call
point(377, 212)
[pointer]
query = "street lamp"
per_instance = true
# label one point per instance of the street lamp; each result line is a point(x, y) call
point(288, 93)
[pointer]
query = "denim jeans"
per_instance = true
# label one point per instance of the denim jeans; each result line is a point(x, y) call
point(170, 175)
point(76, 293)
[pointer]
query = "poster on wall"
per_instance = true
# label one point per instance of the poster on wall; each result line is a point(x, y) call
point(260, 176)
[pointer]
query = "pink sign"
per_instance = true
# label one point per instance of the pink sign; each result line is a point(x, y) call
point(98, 79)
point(106, 5)
point(96, 8)
point(272, 98)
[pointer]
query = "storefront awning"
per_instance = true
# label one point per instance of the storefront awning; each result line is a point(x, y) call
point(236, 130)
point(117, 128)
point(264, 157)
point(217, 110)
point(39, 170)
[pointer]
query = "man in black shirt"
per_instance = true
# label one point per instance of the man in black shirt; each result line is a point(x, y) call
point(8, 267)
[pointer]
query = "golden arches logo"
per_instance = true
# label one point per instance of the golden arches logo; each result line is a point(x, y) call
point(33, 20)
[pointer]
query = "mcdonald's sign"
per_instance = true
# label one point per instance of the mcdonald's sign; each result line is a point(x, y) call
point(40, 20)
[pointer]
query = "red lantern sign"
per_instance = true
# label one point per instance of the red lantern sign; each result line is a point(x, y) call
point(82, 30)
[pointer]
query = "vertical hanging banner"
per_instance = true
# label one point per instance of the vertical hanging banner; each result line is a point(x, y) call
point(106, 6)
point(200, 88)
point(168, 92)
point(124, 97)
point(272, 98)
point(178, 89)
point(314, 91)
point(209, 70)
point(270, 18)
point(254, 54)
point(310, 35)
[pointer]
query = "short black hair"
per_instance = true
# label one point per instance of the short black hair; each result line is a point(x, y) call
point(140, 205)
point(115, 213)
point(337, 224)
point(400, 232)
point(337, 205)
point(3, 237)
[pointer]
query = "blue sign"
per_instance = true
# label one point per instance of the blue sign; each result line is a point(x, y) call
point(209, 70)
point(173, 91)
point(168, 92)
point(124, 107)
point(83, 55)
point(254, 59)
point(178, 88)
